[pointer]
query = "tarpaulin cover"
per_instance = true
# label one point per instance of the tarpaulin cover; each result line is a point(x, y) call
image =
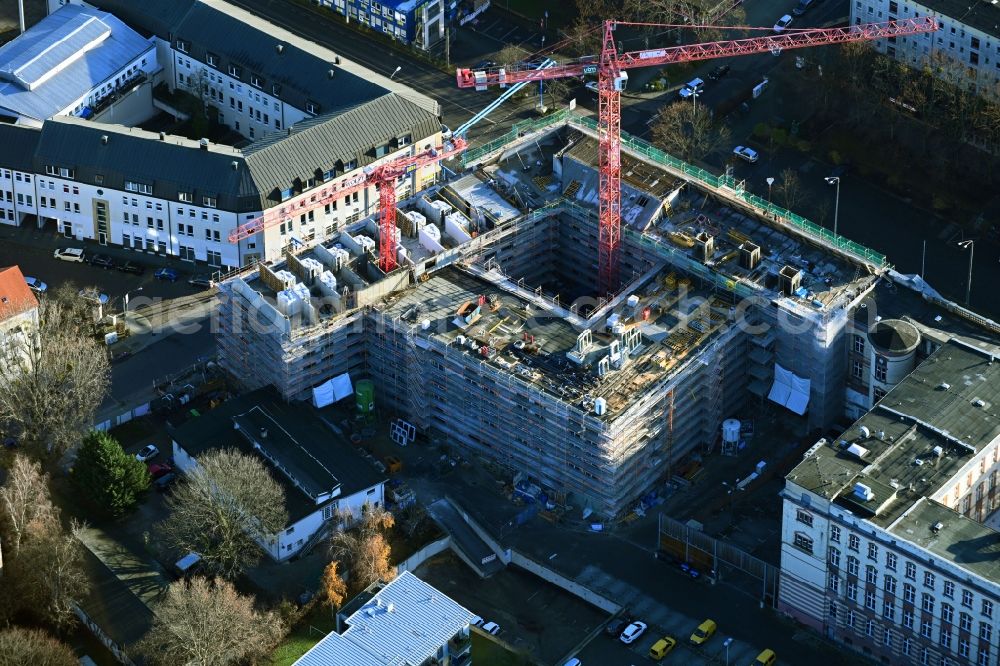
point(789, 390)
point(333, 390)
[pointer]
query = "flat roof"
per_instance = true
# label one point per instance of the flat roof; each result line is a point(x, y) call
point(960, 540)
point(948, 401)
point(982, 15)
point(404, 623)
point(62, 58)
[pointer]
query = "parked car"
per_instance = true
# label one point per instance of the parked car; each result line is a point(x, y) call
point(592, 87)
point(662, 648)
point(148, 452)
point(783, 23)
point(617, 626)
point(203, 281)
point(492, 628)
point(164, 483)
point(132, 267)
point(92, 294)
point(692, 87)
point(168, 274)
point(36, 285)
point(476, 621)
point(102, 261)
point(718, 72)
point(156, 470)
point(632, 632)
point(802, 7)
point(69, 254)
point(573, 662)
point(704, 631)
point(744, 153)
point(765, 658)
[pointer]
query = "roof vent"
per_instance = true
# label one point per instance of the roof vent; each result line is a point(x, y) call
point(865, 432)
point(263, 433)
point(978, 402)
point(330, 72)
point(938, 451)
point(279, 48)
point(203, 143)
point(236, 165)
point(163, 136)
point(391, 607)
point(944, 386)
point(937, 527)
point(863, 492)
point(104, 139)
point(336, 60)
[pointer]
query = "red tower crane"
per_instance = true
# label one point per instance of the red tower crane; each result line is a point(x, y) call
point(612, 78)
point(383, 176)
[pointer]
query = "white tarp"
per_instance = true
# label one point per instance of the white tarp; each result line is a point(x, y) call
point(333, 390)
point(789, 390)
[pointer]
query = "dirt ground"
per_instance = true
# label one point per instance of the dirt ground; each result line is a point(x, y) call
point(34, 11)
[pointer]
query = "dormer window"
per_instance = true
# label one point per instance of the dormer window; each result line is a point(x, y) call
point(212, 59)
point(255, 80)
point(287, 194)
point(275, 90)
point(183, 46)
point(312, 107)
point(186, 197)
point(234, 71)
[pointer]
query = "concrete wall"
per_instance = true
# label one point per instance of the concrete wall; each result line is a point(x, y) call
point(131, 110)
point(559, 580)
point(424, 554)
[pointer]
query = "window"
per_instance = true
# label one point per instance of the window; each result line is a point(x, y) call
point(965, 622)
point(833, 610)
point(312, 107)
point(927, 602)
point(850, 618)
point(186, 197)
point(183, 46)
point(149, 223)
point(906, 647)
point(871, 574)
point(255, 80)
point(869, 627)
point(985, 632)
point(984, 655)
point(141, 188)
point(887, 637)
point(212, 60)
point(945, 637)
point(859, 344)
point(967, 598)
point(852, 565)
point(804, 517)
point(911, 571)
point(888, 610)
point(947, 614)
point(987, 608)
point(872, 551)
point(870, 599)
point(928, 579)
point(214, 258)
point(834, 557)
point(963, 648)
point(857, 369)
point(890, 584)
point(852, 591)
point(834, 583)
point(908, 619)
point(209, 202)
point(878, 394)
point(890, 561)
point(234, 71)
point(854, 542)
point(949, 589)
point(925, 627)
point(834, 529)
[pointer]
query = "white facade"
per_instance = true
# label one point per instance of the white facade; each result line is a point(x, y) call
point(975, 52)
point(17, 196)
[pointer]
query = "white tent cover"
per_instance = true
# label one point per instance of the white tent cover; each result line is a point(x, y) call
point(789, 390)
point(333, 390)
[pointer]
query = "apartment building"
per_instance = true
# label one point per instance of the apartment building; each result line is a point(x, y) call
point(889, 532)
point(73, 61)
point(968, 43)
point(417, 22)
point(18, 320)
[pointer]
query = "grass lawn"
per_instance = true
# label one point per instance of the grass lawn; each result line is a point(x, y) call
point(313, 627)
point(490, 653)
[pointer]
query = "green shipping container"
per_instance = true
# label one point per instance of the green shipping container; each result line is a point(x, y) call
point(364, 395)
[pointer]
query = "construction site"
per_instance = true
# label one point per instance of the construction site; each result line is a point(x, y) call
point(490, 333)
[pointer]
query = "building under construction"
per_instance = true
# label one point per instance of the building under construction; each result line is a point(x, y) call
point(489, 336)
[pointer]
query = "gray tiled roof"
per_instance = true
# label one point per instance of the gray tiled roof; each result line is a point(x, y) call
point(19, 146)
point(170, 166)
point(61, 58)
point(151, 17)
point(330, 141)
point(303, 76)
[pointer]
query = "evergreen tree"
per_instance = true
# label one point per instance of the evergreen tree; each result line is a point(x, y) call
point(108, 475)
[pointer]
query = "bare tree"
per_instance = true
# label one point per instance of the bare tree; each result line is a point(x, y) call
point(223, 508)
point(208, 623)
point(33, 646)
point(364, 550)
point(790, 189)
point(24, 499)
point(510, 54)
point(689, 134)
point(51, 562)
point(51, 401)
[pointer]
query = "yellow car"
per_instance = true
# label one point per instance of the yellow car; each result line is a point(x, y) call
point(662, 648)
point(765, 658)
point(704, 631)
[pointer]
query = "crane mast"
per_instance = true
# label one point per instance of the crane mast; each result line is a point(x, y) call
point(611, 69)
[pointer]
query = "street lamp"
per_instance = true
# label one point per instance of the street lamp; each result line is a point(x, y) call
point(835, 180)
point(770, 182)
point(395, 72)
point(970, 244)
point(726, 644)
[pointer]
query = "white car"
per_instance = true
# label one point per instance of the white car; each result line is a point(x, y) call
point(748, 154)
point(592, 86)
point(783, 23)
point(69, 254)
point(149, 451)
point(36, 285)
point(492, 628)
point(476, 621)
point(692, 87)
point(632, 632)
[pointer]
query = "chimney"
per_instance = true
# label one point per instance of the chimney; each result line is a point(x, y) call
point(236, 165)
point(203, 143)
point(163, 136)
point(279, 48)
point(104, 139)
point(330, 74)
point(336, 60)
